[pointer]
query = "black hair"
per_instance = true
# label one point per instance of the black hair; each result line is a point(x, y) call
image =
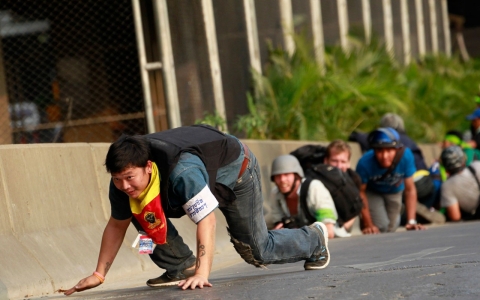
point(127, 151)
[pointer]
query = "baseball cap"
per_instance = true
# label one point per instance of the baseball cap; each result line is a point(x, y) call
point(474, 115)
point(384, 137)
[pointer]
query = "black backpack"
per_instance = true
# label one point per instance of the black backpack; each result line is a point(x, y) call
point(310, 155)
point(341, 186)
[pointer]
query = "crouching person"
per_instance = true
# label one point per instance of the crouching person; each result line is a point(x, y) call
point(193, 170)
point(338, 154)
point(461, 192)
point(387, 172)
point(293, 204)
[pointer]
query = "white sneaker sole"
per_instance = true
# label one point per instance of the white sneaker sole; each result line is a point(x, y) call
point(325, 235)
point(171, 283)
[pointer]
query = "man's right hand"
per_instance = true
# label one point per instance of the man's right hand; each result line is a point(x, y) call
point(84, 284)
point(278, 226)
point(372, 229)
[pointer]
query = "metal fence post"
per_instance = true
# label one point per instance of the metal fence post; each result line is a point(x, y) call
point(142, 57)
point(433, 25)
point(286, 19)
point(367, 20)
point(252, 35)
point(163, 32)
point(343, 23)
point(420, 28)
point(407, 49)
point(214, 60)
point(388, 25)
point(6, 136)
point(317, 32)
point(446, 29)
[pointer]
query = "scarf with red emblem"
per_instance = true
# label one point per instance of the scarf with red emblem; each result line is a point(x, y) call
point(148, 211)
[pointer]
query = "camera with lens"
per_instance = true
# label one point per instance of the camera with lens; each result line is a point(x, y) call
point(290, 222)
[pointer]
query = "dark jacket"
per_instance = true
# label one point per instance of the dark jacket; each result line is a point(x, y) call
point(213, 147)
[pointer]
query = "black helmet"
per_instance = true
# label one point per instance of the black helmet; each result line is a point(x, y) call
point(384, 137)
point(453, 159)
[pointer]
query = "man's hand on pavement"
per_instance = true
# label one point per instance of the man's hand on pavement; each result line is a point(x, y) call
point(372, 229)
point(415, 227)
point(84, 284)
point(193, 282)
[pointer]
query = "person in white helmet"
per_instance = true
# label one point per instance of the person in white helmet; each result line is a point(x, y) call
point(287, 209)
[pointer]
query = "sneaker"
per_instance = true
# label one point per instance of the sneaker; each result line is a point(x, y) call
point(318, 262)
point(431, 216)
point(341, 232)
point(168, 280)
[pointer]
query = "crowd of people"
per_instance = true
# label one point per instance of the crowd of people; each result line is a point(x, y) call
point(194, 170)
point(395, 185)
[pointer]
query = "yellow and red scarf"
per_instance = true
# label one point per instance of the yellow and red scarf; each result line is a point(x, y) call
point(148, 211)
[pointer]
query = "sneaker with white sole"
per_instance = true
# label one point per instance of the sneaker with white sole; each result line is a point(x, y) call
point(341, 232)
point(430, 215)
point(169, 280)
point(321, 261)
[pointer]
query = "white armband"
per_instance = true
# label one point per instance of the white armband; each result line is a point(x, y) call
point(201, 205)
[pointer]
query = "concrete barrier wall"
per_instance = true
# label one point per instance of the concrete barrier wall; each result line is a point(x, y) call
point(54, 206)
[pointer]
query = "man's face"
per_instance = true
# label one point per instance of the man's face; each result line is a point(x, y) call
point(385, 156)
point(133, 180)
point(340, 160)
point(284, 182)
point(446, 144)
point(476, 123)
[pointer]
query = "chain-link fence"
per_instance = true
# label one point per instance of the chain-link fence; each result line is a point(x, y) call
point(68, 71)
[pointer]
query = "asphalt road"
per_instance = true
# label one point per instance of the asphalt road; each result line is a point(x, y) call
point(441, 262)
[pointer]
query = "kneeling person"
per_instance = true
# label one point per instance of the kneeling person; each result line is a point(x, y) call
point(288, 211)
point(386, 172)
point(338, 154)
point(460, 193)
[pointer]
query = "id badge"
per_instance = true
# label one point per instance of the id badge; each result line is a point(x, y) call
point(145, 245)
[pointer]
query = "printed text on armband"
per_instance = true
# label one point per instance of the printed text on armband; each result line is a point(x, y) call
point(196, 208)
point(200, 205)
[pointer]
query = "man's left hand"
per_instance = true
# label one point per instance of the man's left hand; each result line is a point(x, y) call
point(193, 282)
point(415, 227)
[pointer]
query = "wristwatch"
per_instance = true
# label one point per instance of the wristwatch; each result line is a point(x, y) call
point(412, 222)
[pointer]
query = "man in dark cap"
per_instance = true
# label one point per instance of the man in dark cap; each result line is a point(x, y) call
point(460, 193)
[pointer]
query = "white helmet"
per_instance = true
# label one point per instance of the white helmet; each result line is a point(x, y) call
point(284, 164)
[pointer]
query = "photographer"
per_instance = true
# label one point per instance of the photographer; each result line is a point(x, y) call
point(287, 209)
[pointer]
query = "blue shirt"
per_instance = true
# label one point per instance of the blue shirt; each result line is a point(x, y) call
point(370, 172)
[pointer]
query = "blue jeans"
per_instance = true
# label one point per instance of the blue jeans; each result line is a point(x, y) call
point(248, 230)
point(249, 235)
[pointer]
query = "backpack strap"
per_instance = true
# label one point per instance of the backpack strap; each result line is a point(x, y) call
point(396, 160)
point(477, 211)
point(476, 154)
point(474, 175)
point(476, 214)
point(303, 200)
